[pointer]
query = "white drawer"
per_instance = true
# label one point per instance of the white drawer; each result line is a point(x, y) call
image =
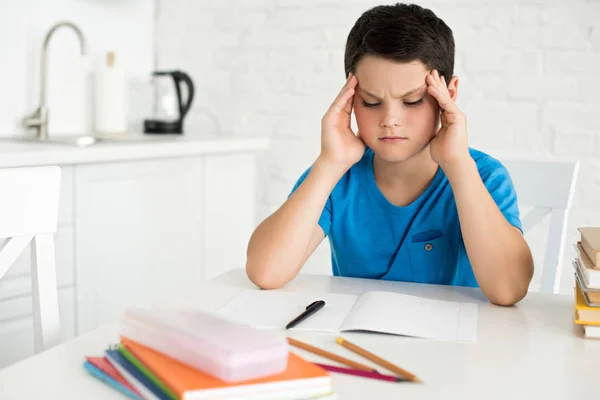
point(17, 281)
point(16, 333)
point(65, 200)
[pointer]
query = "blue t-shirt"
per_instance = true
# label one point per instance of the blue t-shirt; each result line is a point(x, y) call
point(421, 242)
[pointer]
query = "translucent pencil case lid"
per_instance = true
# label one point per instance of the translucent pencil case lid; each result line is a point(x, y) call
point(214, 345)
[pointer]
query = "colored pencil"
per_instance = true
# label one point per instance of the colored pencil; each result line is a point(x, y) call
point(364, 374)
point(378, 360)
point(331, 356)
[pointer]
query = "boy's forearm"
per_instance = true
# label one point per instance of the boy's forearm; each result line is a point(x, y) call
point(277, 248)
point(500, 257)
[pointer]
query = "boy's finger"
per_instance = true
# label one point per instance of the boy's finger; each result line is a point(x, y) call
point(340, 102)
point(350, 82)
point(443, 99)
point(346, 84)
point(348, 106)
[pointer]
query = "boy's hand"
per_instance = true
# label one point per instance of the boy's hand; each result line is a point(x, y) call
point(339, 144)
point(450, 145)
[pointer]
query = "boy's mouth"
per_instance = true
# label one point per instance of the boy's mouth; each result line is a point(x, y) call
point(393, 139)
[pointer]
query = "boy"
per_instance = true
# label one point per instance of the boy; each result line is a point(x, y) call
point(404, 198)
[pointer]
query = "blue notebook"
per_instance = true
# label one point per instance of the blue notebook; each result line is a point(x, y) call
point(97, 373)
point(137, 379)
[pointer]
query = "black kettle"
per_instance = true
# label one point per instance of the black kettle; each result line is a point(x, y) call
point(169, 108)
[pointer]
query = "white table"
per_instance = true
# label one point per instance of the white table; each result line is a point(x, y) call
point(530, 351)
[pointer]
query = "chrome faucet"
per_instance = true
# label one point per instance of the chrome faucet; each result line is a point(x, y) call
point(39, 118)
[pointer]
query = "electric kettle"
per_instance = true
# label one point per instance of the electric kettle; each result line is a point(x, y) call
point(169, 108)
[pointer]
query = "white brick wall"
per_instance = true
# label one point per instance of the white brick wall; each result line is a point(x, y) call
point(528, 71)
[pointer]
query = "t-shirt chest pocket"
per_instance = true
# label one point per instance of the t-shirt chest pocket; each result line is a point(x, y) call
point(431, 258)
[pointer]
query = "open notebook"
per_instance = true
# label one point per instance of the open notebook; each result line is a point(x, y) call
point(383, 312)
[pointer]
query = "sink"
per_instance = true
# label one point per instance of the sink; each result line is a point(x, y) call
point(80, 141)
point(91, 140)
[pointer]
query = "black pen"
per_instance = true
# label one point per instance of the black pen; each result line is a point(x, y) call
point(310, 310)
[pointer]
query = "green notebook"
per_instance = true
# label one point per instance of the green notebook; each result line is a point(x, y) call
point(142, 368)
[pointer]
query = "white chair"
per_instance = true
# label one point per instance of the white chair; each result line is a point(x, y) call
point(549, 187)
point(28, 214)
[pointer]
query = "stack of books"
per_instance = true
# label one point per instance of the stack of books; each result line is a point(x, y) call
point(174, 355)
point(587, 281)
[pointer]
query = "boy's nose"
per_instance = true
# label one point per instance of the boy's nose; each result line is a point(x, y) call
point(389, 124)
point(391, 120)
point(392, 116)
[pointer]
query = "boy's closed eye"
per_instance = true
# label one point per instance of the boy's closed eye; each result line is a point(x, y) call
point(371, 101)
point(406, 103)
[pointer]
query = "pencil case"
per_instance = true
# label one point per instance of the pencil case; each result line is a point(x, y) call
point(216, 346)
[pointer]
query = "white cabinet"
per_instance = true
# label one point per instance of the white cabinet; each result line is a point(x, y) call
point(150, 230)
point(139, 235)
point(133, 233)
point(229, 211)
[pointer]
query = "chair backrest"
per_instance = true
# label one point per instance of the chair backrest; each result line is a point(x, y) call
point(548, 186)
point(28, 200)
point(28, 207)
point(28, 216)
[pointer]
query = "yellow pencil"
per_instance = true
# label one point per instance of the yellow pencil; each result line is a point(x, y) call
point(378, 360)
point(331, 356)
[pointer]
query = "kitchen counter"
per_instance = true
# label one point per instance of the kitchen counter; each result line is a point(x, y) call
point(132, 147)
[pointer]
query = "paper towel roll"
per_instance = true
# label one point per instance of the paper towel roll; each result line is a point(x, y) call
point(70, 95)
point(110, 112)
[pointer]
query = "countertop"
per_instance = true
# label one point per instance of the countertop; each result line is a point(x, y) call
point(20, 153)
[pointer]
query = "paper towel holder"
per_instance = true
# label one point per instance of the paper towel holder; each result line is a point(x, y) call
point(170, 110)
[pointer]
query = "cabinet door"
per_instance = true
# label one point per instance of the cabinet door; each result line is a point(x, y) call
point(16, 325)
point(138, 233)
point(230, 197)
point(65, 200)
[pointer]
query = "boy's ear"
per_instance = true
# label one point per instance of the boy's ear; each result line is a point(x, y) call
point(453, 88)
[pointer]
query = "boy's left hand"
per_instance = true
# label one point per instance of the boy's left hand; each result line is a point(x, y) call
point(450, 145)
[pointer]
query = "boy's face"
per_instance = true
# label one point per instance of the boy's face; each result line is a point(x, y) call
point(395, 115)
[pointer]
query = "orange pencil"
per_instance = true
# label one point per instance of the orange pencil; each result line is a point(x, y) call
point(331, 356)
point(378, 360)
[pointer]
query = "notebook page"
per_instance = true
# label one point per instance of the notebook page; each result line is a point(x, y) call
point(401, 314)
point(275, 309)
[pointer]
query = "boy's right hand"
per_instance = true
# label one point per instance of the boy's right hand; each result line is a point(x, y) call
point(340, 146)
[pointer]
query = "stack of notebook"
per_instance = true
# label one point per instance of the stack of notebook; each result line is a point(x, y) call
point(141, 368)
point(587, 281)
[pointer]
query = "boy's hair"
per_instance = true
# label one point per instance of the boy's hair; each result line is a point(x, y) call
point(404, 33)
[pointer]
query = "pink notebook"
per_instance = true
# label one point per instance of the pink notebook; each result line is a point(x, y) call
point(103, 365)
